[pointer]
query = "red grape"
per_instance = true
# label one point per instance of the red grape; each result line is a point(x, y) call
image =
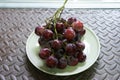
point(72, 61)
point(44, 53)
point(43, 43)
point(70, 49)
point(60, 27)
point(48, 34)
point(69, 34)
point(78, 26)
point(39, 30)
point(62, 63)
point(81, 56)
point(59, 53)
point(71, 20)
point(56, 44)
point(82, 32)
point(80, 46)
point(51, 61)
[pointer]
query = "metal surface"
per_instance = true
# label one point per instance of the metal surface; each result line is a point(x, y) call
point(17, 24)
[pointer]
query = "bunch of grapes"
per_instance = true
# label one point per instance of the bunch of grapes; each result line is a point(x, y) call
point(60, 42)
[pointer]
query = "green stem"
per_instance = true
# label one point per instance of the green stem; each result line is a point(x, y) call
point(56, 16)
point(60, 10)
point(56, 34)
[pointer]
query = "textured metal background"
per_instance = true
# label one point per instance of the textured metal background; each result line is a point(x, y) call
point(17, 24)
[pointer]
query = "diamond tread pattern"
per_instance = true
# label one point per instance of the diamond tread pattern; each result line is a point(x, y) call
point(17, 24)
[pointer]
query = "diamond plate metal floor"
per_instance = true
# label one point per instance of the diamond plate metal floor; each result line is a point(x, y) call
point(17, 24)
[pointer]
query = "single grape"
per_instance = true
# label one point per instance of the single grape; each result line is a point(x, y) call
point(82, 32)
point(60, 27)
point(78, 26)
point(42, 41)
point(77, 37)
point(48, 34)
point(70, 49)
point(56, 44)
point(39, 30)
point(51, 61)
point(71, 20)
point(44, 53)
point(59, 53)
point(80, 46)
point(72, 61)
point(81, 56)
point(69, 34)
point(62, 63)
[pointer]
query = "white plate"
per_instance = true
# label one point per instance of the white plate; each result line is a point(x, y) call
point(92, 50)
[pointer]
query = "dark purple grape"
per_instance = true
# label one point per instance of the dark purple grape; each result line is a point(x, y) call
point(72, 61)
point(40, 41)
point(44, 53)
point(62, 63)
point(60, 53)
point(56, 44)
point(60, 27)
point(81, 57)
point(70, 49)
point(39, 30)
point(76, 38)
point(80, 46)
point(71, 20)
point(51, 61)
point(48, 34)
point(82, 32)
point(43, 42)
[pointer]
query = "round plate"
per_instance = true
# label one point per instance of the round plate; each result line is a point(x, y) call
point(92, 48)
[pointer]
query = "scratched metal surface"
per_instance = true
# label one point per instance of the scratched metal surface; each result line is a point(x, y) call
point(17, 24)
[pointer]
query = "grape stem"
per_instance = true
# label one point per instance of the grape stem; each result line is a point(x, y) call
point(57, 16)
point(59, 11)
